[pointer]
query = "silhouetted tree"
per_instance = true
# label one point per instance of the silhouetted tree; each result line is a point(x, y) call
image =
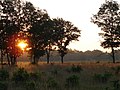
point(108, 19)
point(49, 37)
point(11, 23)
point(65, 32)
point(6, 22)
point(37, 33)
point(43, 33)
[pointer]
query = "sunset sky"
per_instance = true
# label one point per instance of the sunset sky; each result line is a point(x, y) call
point(79, 13)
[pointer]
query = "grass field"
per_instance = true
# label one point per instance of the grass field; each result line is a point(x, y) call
point(67, 76)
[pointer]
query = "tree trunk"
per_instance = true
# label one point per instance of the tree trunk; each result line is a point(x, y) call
point(1, 57)
point(34, 60)
point(62, 59)
point(113, 54)
point(48, 56)
point(11, 59)
point(8, 59)
point(15, 62)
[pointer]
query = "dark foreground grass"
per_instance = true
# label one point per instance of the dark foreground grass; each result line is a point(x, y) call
point(67, 76)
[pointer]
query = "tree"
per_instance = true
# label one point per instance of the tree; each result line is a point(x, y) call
point(49, 38)
point(108, 19)
point(65, 32)
point(11, 23)
point(37, 33)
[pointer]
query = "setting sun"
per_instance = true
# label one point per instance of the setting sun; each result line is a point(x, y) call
point(22, 44)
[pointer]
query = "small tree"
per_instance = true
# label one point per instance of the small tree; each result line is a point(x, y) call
point(108, 19)
point(65, 32)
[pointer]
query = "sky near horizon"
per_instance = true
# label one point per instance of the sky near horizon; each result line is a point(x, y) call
point(79, 12)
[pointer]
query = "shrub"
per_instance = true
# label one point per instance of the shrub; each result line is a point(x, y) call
point(4, 74)
point(35, 76)
point(3, 86)
point(98, 62)
point(116, 70)
point(76, 69)
point(116, 85)
point(20, 75)
point(72, 81)
point(54, 72)
point(103, 78)
point(31, 85)
point(51, 83)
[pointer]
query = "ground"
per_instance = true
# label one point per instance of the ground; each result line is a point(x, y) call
point(60, 73)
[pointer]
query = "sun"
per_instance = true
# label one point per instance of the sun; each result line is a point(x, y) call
point(22, 45)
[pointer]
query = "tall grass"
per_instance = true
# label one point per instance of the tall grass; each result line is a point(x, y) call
point(68, 76)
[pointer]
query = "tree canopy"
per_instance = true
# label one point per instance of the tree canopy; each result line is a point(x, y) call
point(65, 32)
point(21, 20)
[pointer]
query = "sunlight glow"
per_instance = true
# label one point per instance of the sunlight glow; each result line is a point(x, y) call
point(22, 44)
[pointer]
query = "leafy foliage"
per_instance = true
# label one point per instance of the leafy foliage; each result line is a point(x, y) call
point(116, 84)
point(11, 24)
point(72, 81)
point(102, 78)
point(55, 72)
point(38, 33)
point(108, 19)
point(3, 85)
point(35, 76)
point(51, 83)
point(43, 32)
point(20, 75)
point(116, 70)
point(76, 69)
point(65, 32)
point(31, 85)
point(4, 74)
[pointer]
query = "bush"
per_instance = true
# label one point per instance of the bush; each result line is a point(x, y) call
point(31, 85)
point(72, 81)
point(4, 74)
point(3, 86)
point(54, 72)
point(20, 75)
point(35, 76)
point(103, 78)
point(116, 70)
point(76, 69)
point(51, 83)
point(116, 85)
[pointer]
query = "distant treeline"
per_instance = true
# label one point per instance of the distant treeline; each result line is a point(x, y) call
point(95, 55)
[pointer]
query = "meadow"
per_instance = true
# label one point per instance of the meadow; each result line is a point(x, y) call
point(56, 76)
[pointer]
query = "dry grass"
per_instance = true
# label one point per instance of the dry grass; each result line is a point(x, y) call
point(86, 76)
